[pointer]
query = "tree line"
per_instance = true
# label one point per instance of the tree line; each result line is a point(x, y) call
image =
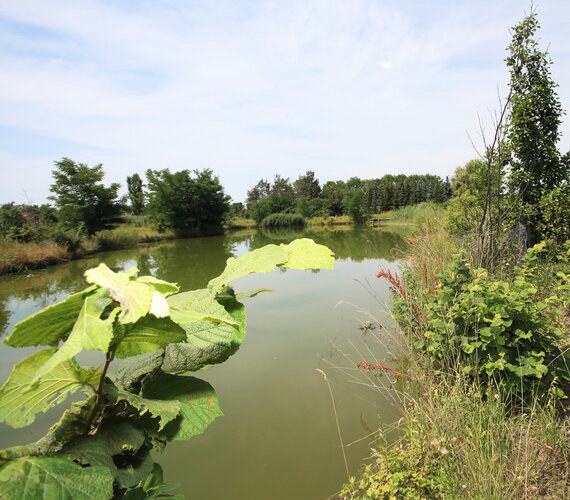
point(355, 197)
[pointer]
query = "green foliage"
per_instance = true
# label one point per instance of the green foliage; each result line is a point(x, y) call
point(498, 332)
point(136, 194)
point(82, 199)
point(555, 209)
point(354, 204)
point(283, 220)
point(398, 473)
point(184, 203)
point(535, 117)
point(307, 186)
point(26, 222)
point(259, 210)
point(101, 446)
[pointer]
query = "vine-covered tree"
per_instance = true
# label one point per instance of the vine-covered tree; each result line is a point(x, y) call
point(82, 199)
point(136, 194)
point(537, 166)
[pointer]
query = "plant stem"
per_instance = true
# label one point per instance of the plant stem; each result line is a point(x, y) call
point(337, 424)
point(99, 398)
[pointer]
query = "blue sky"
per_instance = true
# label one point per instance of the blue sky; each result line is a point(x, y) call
point(250, 89)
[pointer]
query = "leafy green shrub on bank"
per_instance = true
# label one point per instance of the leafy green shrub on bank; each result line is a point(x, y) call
point(283, 220)
point(495, 331)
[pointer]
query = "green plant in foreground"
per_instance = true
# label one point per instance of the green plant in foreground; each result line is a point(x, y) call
point(497, 331)
point(101, 446)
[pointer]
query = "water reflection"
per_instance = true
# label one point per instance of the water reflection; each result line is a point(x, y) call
point(278, 419)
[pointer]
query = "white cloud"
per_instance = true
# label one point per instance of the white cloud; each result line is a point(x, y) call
point(254, 89)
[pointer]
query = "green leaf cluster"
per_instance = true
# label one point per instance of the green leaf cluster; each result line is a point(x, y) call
point(496, 331)
point(101, 446)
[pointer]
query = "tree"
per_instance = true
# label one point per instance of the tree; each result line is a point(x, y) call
point(307, 186)
point(354, 203)
point(535, 116)
point(259, 191)
point(136, 194)
point(81, 197)
point(185, 204)
point(334, 193)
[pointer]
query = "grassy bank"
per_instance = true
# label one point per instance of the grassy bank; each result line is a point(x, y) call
point(17, 256)
point(487, 418)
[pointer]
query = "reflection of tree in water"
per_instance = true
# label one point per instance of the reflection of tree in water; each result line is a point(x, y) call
point(352, 243)
point(190, 262)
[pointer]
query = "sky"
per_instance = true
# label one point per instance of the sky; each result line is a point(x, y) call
point(250, 89)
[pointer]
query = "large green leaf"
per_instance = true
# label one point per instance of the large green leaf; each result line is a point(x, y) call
point(148, 334)
point(207, 343)
point(50, 325)
point(198, 305)
point(164, 410)
point(47, 478)
point(133, 296)
point(133, 369)
point(19, 404)
point(89, 332)
point(306, 254)
point(261, 260)
point(198, 403)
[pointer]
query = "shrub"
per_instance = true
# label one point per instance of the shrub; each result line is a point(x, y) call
point(495, 331)
point(283, 220)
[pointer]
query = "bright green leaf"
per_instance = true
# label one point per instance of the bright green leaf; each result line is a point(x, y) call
point(18, 405)
point(197, 305)
point(50, 325)
point(261, 260)
point(198, 403)
point(306, 254)
point(148, 334)
point(133, 296)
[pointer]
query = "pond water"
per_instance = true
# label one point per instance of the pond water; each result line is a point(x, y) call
point(278, 438)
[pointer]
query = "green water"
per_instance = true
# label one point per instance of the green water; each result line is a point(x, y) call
point(278, 438)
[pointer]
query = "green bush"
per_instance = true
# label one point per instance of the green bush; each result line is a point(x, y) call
point(283, 220)
point(496, 331)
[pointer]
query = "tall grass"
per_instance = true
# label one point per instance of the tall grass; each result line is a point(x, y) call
point(461, 439)
point(459, 444)
point(418, 214)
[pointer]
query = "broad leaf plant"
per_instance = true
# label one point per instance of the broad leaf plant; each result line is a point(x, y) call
point(100, 448)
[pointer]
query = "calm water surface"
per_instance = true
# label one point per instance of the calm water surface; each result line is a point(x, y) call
point(278, 438)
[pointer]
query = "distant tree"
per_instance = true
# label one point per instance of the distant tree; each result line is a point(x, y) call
point(354, 203)
point(82, 199)
point(282, 195)
point(186, 204)
point(259, 191)
point(136, 194)
point(237, 210)
point(12, 221)
point(307, 185)
point(304, 208)
point(260, 209)
point(333, 194)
